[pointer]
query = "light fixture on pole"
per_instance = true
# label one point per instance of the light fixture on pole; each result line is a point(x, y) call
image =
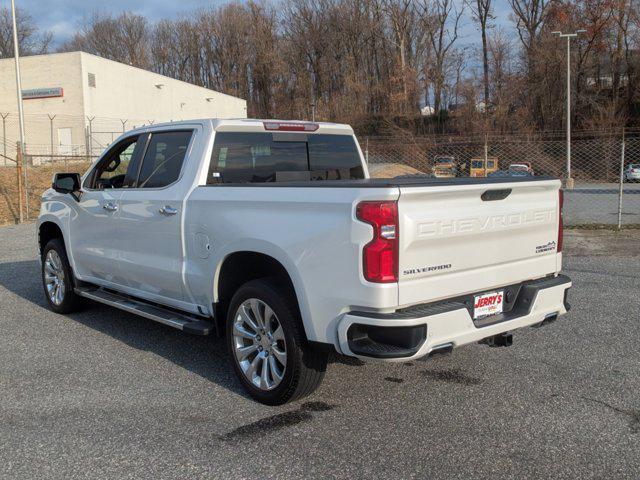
point(569, 37)
point(16, 54)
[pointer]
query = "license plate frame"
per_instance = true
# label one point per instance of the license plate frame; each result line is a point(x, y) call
point(487, 304)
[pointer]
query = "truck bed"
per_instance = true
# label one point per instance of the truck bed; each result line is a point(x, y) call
point(408, 181)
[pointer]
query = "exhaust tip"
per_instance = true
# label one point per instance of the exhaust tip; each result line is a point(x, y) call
point(444, 349)
point(549, 318)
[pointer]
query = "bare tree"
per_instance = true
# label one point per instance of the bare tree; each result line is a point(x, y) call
point(30, 40)
point(123, 38)
point(529, 15)
point(402, 16)
point(482, 14)
point(440, 21)
point(364, 61)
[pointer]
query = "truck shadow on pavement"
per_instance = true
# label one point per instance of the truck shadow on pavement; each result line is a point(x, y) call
point(204, 356)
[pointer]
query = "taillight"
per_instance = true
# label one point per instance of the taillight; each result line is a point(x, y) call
point(380, 255)
point(560, 220)
point(291, 126)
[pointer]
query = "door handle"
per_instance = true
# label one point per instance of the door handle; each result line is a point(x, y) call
point(168, 210)
point(110, 207)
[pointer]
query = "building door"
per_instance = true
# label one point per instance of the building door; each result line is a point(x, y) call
point(65, 146)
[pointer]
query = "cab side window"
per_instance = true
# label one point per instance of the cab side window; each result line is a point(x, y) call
point(163, 159)
point(117, 167)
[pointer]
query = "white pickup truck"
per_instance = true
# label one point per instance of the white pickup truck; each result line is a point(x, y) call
point(271, 234)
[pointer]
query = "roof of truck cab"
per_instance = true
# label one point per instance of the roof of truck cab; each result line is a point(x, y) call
point(250, 125)
point(258, 125)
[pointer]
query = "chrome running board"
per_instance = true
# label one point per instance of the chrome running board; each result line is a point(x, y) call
point(166, 316)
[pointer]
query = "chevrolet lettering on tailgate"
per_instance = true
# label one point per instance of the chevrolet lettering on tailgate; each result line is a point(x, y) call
point(445, 227)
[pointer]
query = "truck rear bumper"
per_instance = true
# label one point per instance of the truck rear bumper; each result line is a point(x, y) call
point(419, 331)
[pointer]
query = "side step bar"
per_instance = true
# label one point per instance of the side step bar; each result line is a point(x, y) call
point(158, 313)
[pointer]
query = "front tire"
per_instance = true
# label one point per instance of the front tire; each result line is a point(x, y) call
point(57, 278)
point(267, 346)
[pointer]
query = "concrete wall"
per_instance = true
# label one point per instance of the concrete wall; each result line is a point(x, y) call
point(131, 93)
point(123, 97)
point(43, 71)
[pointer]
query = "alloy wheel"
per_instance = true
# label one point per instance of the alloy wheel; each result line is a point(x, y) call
point(259, 344)
point(54, 278)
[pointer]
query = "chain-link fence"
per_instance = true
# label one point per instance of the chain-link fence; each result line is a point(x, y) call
point(53, 143)
point(605, 168)
point(48, 136)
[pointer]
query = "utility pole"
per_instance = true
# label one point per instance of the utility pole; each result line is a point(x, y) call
point(569, 37)
point(16, 53)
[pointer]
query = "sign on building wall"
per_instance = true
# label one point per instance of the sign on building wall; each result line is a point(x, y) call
point(33, 93)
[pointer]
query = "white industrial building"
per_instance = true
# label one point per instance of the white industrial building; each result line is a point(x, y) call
point(75, 102)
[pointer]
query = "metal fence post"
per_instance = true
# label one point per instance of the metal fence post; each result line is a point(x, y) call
point(90, 120)
point(366, 152)
point(23, 155)
point(4, 135)
point(51, 135)
point(19, 174)
point(621, 182)
point(486, 149)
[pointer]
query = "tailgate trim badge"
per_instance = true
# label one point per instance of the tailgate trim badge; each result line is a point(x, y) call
point(431, 268)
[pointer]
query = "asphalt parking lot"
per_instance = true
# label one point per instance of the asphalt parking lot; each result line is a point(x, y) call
point(105, 394)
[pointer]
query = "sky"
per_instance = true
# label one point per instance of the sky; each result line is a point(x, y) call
point(64, 17)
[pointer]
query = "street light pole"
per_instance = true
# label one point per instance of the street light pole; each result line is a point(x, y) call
point(568, 36)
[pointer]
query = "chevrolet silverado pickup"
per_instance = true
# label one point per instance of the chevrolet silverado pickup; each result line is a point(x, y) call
point(271, 234)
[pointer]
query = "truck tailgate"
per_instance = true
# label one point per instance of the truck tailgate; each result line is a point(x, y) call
point(466, 238)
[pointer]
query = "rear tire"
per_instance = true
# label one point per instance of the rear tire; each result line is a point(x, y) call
point(268, 349)
point(57, 278)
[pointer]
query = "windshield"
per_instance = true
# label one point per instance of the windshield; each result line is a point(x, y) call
point(443, 161)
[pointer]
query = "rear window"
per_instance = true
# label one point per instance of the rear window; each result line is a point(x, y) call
point(240, 157)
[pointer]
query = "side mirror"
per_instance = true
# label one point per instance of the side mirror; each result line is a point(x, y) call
point(66, 182)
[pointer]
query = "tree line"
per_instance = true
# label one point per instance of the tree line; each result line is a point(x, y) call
point(379, 62)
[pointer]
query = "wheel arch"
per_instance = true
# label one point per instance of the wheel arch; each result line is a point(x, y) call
point(242, 266)
point(47, 231)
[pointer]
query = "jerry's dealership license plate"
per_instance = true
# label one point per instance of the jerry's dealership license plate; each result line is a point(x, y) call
point(488, 304)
